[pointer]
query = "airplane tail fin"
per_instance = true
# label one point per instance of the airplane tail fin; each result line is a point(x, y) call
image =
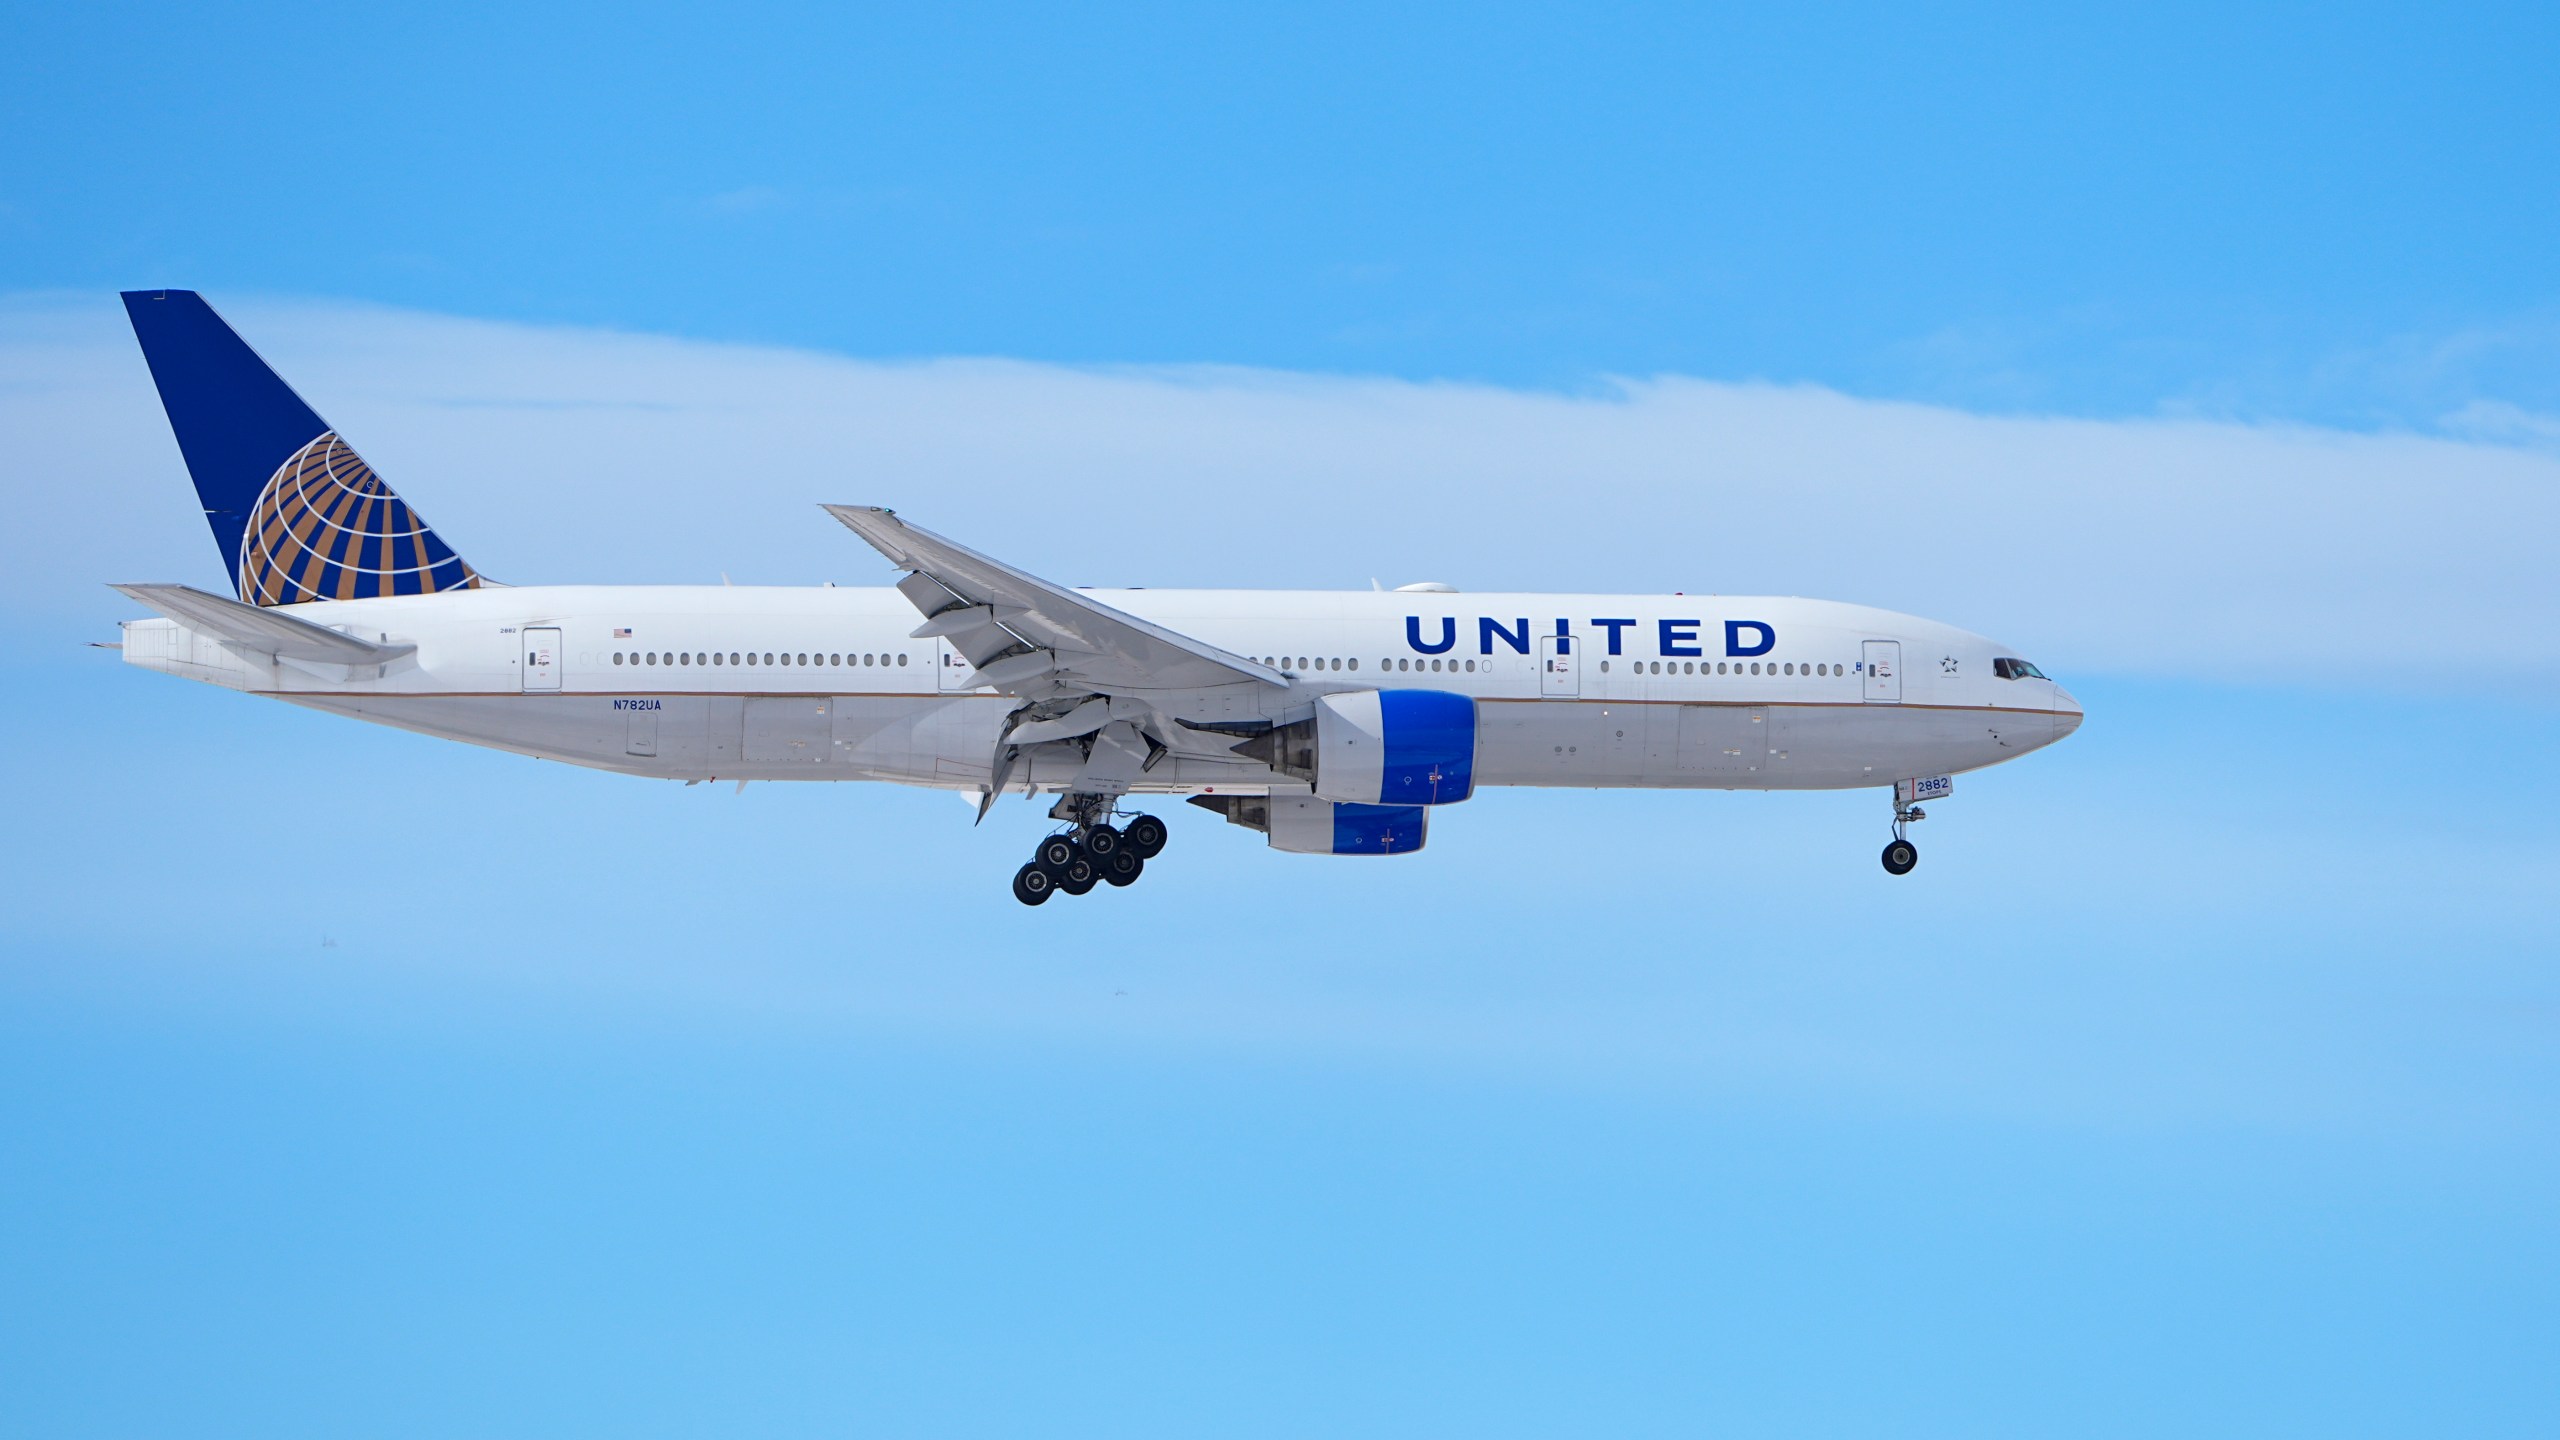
point(298, 514)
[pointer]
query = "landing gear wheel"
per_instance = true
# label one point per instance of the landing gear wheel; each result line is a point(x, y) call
point(1900, 856)
point(1101, 841)
point(1033, 885)
point(1121, 867)
point(1056, 851)
point(1078, 876)
point(1146, 836)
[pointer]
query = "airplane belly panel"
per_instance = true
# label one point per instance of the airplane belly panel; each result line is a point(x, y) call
point(600, 731)
point(1560, 743)
point(1739, 747)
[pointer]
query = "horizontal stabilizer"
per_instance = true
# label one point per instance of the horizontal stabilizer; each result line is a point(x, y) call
point(269, 631)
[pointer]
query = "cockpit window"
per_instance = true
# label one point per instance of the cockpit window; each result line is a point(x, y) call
point(2008, 669)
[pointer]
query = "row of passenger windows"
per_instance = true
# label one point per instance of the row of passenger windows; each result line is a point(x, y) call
point(1303, 664)
point(1700, 667)
point(750, 657)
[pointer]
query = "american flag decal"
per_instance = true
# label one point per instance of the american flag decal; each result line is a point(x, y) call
point(621, 632)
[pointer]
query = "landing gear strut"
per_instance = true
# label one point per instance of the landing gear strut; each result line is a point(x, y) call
point(1901, 855)
point(1090, 852)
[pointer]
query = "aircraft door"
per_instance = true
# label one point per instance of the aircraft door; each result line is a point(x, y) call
point(1883, 671)
point(541, 672)
point(951, 669)
point(1559, 669)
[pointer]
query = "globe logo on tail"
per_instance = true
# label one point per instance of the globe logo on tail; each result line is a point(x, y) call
point(327, 528)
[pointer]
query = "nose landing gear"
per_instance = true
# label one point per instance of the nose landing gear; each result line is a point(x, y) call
point(1901, 855)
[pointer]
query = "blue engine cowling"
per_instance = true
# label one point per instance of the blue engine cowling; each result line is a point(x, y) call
point(1306, 825)
point(1395, 747)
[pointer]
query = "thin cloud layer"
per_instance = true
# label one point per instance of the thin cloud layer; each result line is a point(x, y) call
point(2149, 547)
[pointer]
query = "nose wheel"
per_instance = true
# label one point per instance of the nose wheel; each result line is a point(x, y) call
point(1901, 855)
point(1092, 852)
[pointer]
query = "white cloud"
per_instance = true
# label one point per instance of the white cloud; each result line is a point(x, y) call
point(2156, 546)
point(2499, 421)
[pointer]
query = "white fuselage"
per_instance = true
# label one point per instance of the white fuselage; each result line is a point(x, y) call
point(750, 683)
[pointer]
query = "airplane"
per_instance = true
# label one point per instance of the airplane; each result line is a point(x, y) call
point(1333, 723)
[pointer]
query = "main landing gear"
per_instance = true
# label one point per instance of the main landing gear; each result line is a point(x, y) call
point(1092, 852)
point(1901, 855)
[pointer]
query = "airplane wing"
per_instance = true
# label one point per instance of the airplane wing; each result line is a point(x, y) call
point(254, 628)
point(1028, 637)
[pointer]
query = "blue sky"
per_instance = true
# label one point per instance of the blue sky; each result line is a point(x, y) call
point(2201, 1081)
point(2310, 211)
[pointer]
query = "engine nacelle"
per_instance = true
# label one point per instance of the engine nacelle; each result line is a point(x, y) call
point(1379, 747)
point(1306, 825)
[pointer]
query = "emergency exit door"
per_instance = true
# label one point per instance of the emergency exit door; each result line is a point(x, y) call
point(1883, 671)
point(541, 660)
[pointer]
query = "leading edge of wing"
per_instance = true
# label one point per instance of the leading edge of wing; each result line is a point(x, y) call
point(982, 579)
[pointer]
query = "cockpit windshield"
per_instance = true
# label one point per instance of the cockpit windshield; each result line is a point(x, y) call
point(2010, 669)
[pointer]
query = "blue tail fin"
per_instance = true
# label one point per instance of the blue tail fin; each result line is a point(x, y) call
point(298, 515)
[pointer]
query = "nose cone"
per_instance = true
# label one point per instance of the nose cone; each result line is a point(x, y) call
point(2066, 713)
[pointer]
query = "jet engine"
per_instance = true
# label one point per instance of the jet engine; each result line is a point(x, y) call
point(1306, 825)
point(1378, 747)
